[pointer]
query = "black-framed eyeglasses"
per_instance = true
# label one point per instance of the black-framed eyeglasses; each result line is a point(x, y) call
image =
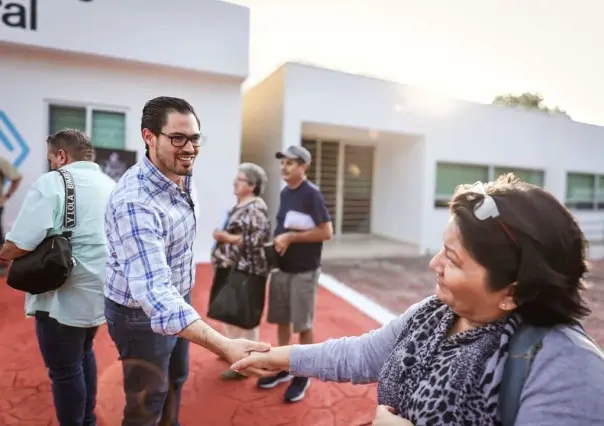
point(178, 141)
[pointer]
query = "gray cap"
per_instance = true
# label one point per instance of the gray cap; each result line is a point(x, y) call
point(295, 152)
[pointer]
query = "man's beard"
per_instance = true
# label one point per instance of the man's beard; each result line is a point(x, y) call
point(172, 167)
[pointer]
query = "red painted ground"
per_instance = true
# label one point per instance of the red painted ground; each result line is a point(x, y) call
point(25, 398)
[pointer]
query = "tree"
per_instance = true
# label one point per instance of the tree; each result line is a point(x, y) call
point(527, 100)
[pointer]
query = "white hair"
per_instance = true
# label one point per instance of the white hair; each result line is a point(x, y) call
point(255, 175)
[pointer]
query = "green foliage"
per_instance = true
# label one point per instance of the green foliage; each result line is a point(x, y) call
point(527, 100)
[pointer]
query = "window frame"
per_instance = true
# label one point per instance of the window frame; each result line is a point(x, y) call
point(597, 203)
point(494, 175)
point(89, 108)
point(441, 203)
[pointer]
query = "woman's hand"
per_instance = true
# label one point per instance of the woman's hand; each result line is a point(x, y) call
point(219, 235)
point(224, 237)
point(384, 416)
point(275, 360)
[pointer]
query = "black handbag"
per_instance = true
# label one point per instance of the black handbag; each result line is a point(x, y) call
point(240, 300)
point(49, 265)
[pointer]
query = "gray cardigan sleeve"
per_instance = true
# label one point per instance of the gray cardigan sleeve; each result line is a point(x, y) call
point(349, 359)
point(565, 386)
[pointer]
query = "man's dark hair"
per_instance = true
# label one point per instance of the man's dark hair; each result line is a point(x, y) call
point(535, 241)
point(156, 110)
point(74, 142)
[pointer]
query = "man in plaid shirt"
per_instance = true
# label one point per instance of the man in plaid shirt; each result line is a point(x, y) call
point(150, 227)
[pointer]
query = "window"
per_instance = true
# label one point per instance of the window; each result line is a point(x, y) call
point(67, 118)
point(106, 128)
point(536, 177)
point(584, 191)
point(449, 176)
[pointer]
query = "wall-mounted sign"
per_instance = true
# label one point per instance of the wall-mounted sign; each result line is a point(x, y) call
point(12, 144)
point(22, 14)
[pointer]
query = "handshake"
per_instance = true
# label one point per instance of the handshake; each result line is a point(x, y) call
point(256, 358)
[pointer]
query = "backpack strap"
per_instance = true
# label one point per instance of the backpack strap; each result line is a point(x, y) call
point(69, 219)
point(524, 346)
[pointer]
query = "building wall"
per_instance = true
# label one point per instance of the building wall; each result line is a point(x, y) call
point(397, 196)
point(492, 136)
point(201, 35)
point(449, 130)
point(263, 112)
point(30, 82)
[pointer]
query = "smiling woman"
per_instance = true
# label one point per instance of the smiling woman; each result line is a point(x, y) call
point(512, 256)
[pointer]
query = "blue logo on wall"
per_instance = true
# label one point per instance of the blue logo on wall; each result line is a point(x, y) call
point(12, 140)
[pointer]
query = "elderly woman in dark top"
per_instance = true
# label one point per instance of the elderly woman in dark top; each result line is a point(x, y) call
point(245, 231)
point(512, 254)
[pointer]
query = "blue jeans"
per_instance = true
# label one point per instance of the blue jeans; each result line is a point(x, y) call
point(155, 367)
point(69, 357)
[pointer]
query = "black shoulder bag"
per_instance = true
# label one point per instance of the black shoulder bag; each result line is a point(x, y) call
point(50, 264)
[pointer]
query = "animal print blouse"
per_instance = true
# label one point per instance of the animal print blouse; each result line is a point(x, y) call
point(252, 222)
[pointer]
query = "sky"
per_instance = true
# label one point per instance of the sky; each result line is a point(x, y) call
point(467, 49)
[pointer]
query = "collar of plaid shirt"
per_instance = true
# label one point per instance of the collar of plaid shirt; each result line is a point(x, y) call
point(158, 179)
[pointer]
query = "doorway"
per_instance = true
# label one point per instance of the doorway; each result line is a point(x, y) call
point(344, 172)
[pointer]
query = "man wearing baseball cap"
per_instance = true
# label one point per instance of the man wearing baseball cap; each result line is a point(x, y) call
point(303, 223)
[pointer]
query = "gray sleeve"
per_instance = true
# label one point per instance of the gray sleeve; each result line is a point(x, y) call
point(565, 386)
point(349, 359)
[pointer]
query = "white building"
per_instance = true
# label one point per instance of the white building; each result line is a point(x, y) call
point(387, 156)
point(93, 64)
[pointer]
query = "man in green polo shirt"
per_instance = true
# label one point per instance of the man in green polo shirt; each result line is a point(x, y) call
point(67, 319)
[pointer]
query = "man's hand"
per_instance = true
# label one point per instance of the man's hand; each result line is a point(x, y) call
point(384, 416)
point(236, 349)
point(264, 363)
point(3, 200)
point(282, 242)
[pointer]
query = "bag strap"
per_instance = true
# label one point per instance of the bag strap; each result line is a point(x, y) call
point(69, 219)
point(524, 346)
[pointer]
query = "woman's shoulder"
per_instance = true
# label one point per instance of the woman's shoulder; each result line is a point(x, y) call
point(423, 306)
point(566, 382)
point(256, 208)
point(564, 345)
point(573, 340)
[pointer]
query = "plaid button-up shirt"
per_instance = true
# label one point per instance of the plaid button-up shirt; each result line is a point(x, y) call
point(150, 227)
